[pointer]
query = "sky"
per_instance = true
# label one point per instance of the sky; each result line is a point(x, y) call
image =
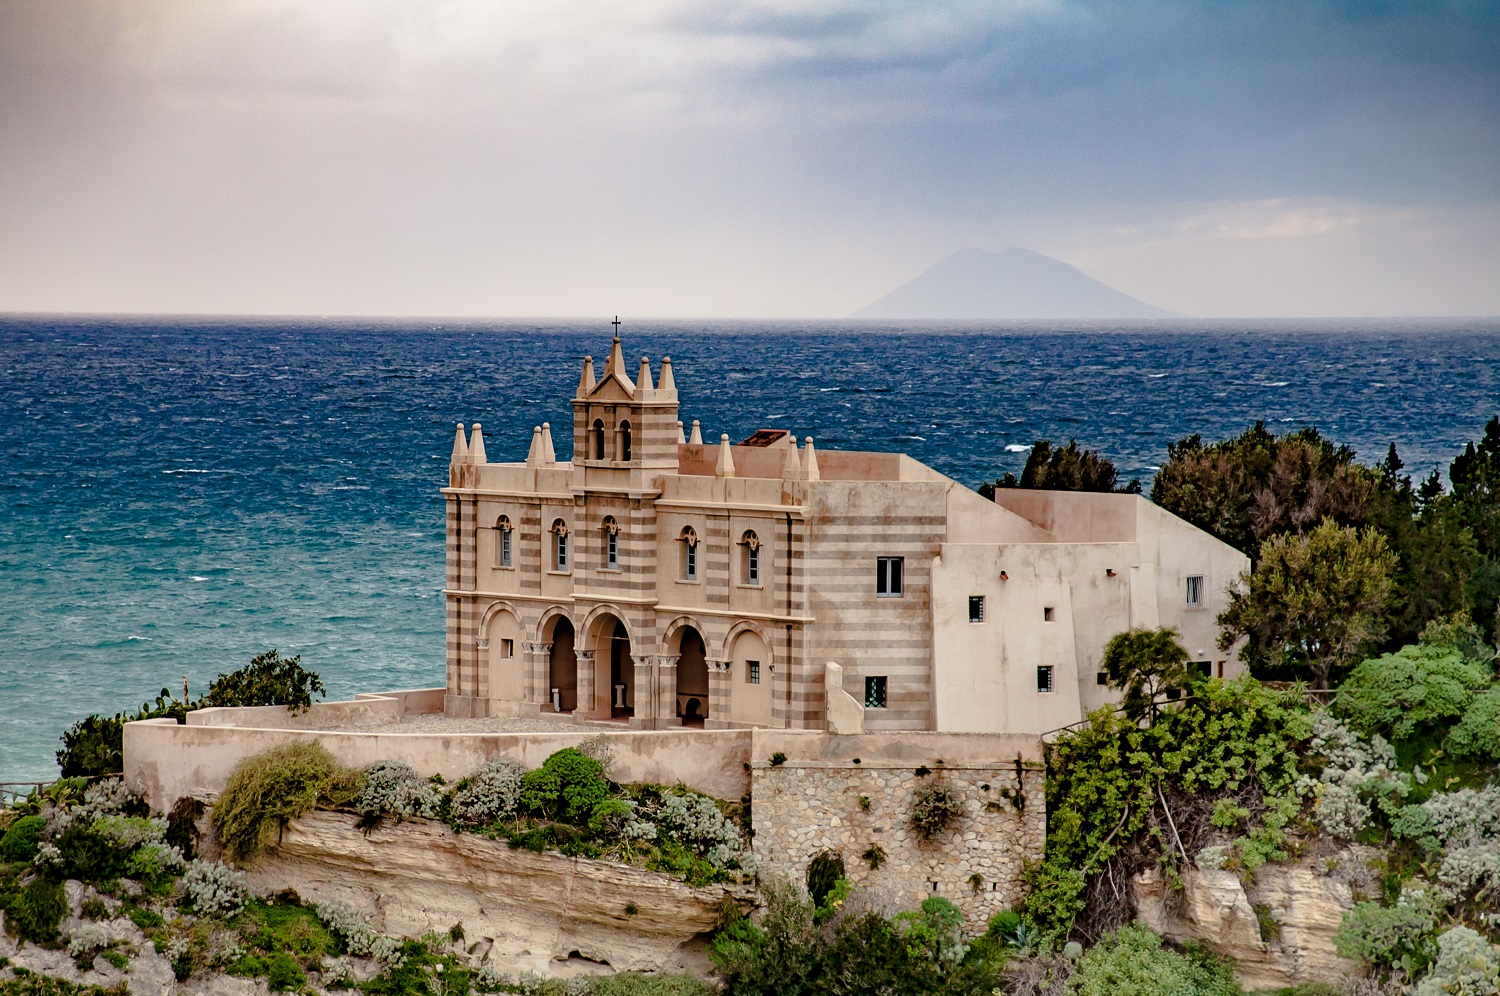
point(743, 158)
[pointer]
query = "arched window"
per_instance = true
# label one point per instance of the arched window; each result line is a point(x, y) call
point(625, 442)
point(598, 439)
point(751, 558)
point(559, 545)
point(611, 543)
point(503, 550)
point(689, 554)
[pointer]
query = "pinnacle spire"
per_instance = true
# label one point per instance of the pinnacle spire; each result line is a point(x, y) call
point(643, 380)
point(697, 437)
point(460, 447)
point(681, 435)
point(810, 461)
point(476, 447)
point(615, 366)
point(792, 469)
point(586, 379)
point(534, 455)
point(725, 465)
point(549, 455)
point(668, 382)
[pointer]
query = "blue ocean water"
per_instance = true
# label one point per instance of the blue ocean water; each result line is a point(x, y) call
point(181, 494)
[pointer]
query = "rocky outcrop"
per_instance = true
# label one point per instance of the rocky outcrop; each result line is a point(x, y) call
point(526, 911)
point(1279, 930)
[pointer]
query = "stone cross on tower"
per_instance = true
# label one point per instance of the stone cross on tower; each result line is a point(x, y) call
point(616, 324)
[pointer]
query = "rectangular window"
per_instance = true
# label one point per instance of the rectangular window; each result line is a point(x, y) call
point(875, 692)
point(1048, 614)
point(1220, 667)
point(888, 576)
point(1205, 668)
point(690, 561)
point(1044, 678)
point(752, 672)
point(976, 608)
point(1195, 590)
point(1100, 678)
point(752, 565)
point(507, 648)
point(612, 551)
point(505, 548)
point(562, 551)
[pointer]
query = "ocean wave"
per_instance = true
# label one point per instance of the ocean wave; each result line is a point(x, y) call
point(1016, 448)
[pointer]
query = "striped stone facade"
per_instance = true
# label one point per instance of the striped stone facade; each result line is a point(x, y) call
point(658, 580)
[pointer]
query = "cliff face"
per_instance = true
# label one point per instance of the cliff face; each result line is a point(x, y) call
point(1279, 930)
point(526, 911)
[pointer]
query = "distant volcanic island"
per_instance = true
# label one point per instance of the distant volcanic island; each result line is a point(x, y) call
point(976, 284)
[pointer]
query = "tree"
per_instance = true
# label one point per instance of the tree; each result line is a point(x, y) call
point(1144, 663)
point(267, 680)
point(1419, 687)
point(1312, 603)
point(1066, 468)
point(1258, 485)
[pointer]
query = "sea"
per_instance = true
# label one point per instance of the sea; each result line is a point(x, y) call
point(180, 494)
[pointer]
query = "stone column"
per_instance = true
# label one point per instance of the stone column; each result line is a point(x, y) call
point(643, 690)
point(586, 695)
point(666, 692)
point(538, 664)
point(720, 685)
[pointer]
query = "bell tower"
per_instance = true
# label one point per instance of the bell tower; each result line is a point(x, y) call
point(623, 426)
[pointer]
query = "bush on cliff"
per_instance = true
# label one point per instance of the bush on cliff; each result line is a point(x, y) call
point(268, 790)
point(269, 679)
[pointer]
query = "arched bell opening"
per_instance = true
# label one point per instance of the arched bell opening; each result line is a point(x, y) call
point(692, 678)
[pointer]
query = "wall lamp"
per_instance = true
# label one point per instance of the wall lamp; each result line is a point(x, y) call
point(1004, 576)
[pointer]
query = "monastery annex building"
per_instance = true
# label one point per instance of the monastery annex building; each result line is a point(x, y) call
point(661, 581)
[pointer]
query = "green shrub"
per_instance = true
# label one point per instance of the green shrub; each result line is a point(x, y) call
point(1466, 963)
point(567, 786)
point(1132, 962)
point(93, 746)
point(283, 974)
point(182, 826)
point(266, 680)
point(1401, 936)
point(1477, 734)
point(145, 919)
point(34, 911)
point(268, 790)
point(1418, 687)
point(823, 872)
point(936, 809)
point(20, 841)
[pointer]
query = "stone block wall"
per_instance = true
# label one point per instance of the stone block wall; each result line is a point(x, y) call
point(805, 807)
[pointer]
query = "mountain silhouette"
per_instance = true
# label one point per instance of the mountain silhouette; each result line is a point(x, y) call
point(1012, 283)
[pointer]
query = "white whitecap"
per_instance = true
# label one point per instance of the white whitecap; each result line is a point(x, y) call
point(1016, 448)
point(1158, 376)
point(1274, 383)
point(196, 577)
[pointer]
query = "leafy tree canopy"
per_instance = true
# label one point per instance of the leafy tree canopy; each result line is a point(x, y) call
point(1144, 663)
point(1417, 687)
point(1314, 603)
point(1064, 468)
point(268, 679)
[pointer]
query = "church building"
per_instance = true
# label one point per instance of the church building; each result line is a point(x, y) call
point(657, 580)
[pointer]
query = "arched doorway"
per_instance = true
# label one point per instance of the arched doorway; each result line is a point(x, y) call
point(692, 678)
point(621, 672)
point(507, 678)
point(562, 668)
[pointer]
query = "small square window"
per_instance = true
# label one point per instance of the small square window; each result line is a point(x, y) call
point(1044, 678)
point(1205, 668)
point(976, 608)
point(1048, 614)
point(1100, 678)
point(752, 672)
point(888, 579)
point(507, 648)
point(1195, 590)
point(875, 692)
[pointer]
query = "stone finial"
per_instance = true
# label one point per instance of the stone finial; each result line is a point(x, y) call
point(697, 437)
point(586, 379)
point(460, 447)
point(534, 455)
point(668, 382)
point(725, 466)
point(549, 455)
point(643, 379)
point(681, 434)
point(792, 469)
point(810, 461)
point(476, 447)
